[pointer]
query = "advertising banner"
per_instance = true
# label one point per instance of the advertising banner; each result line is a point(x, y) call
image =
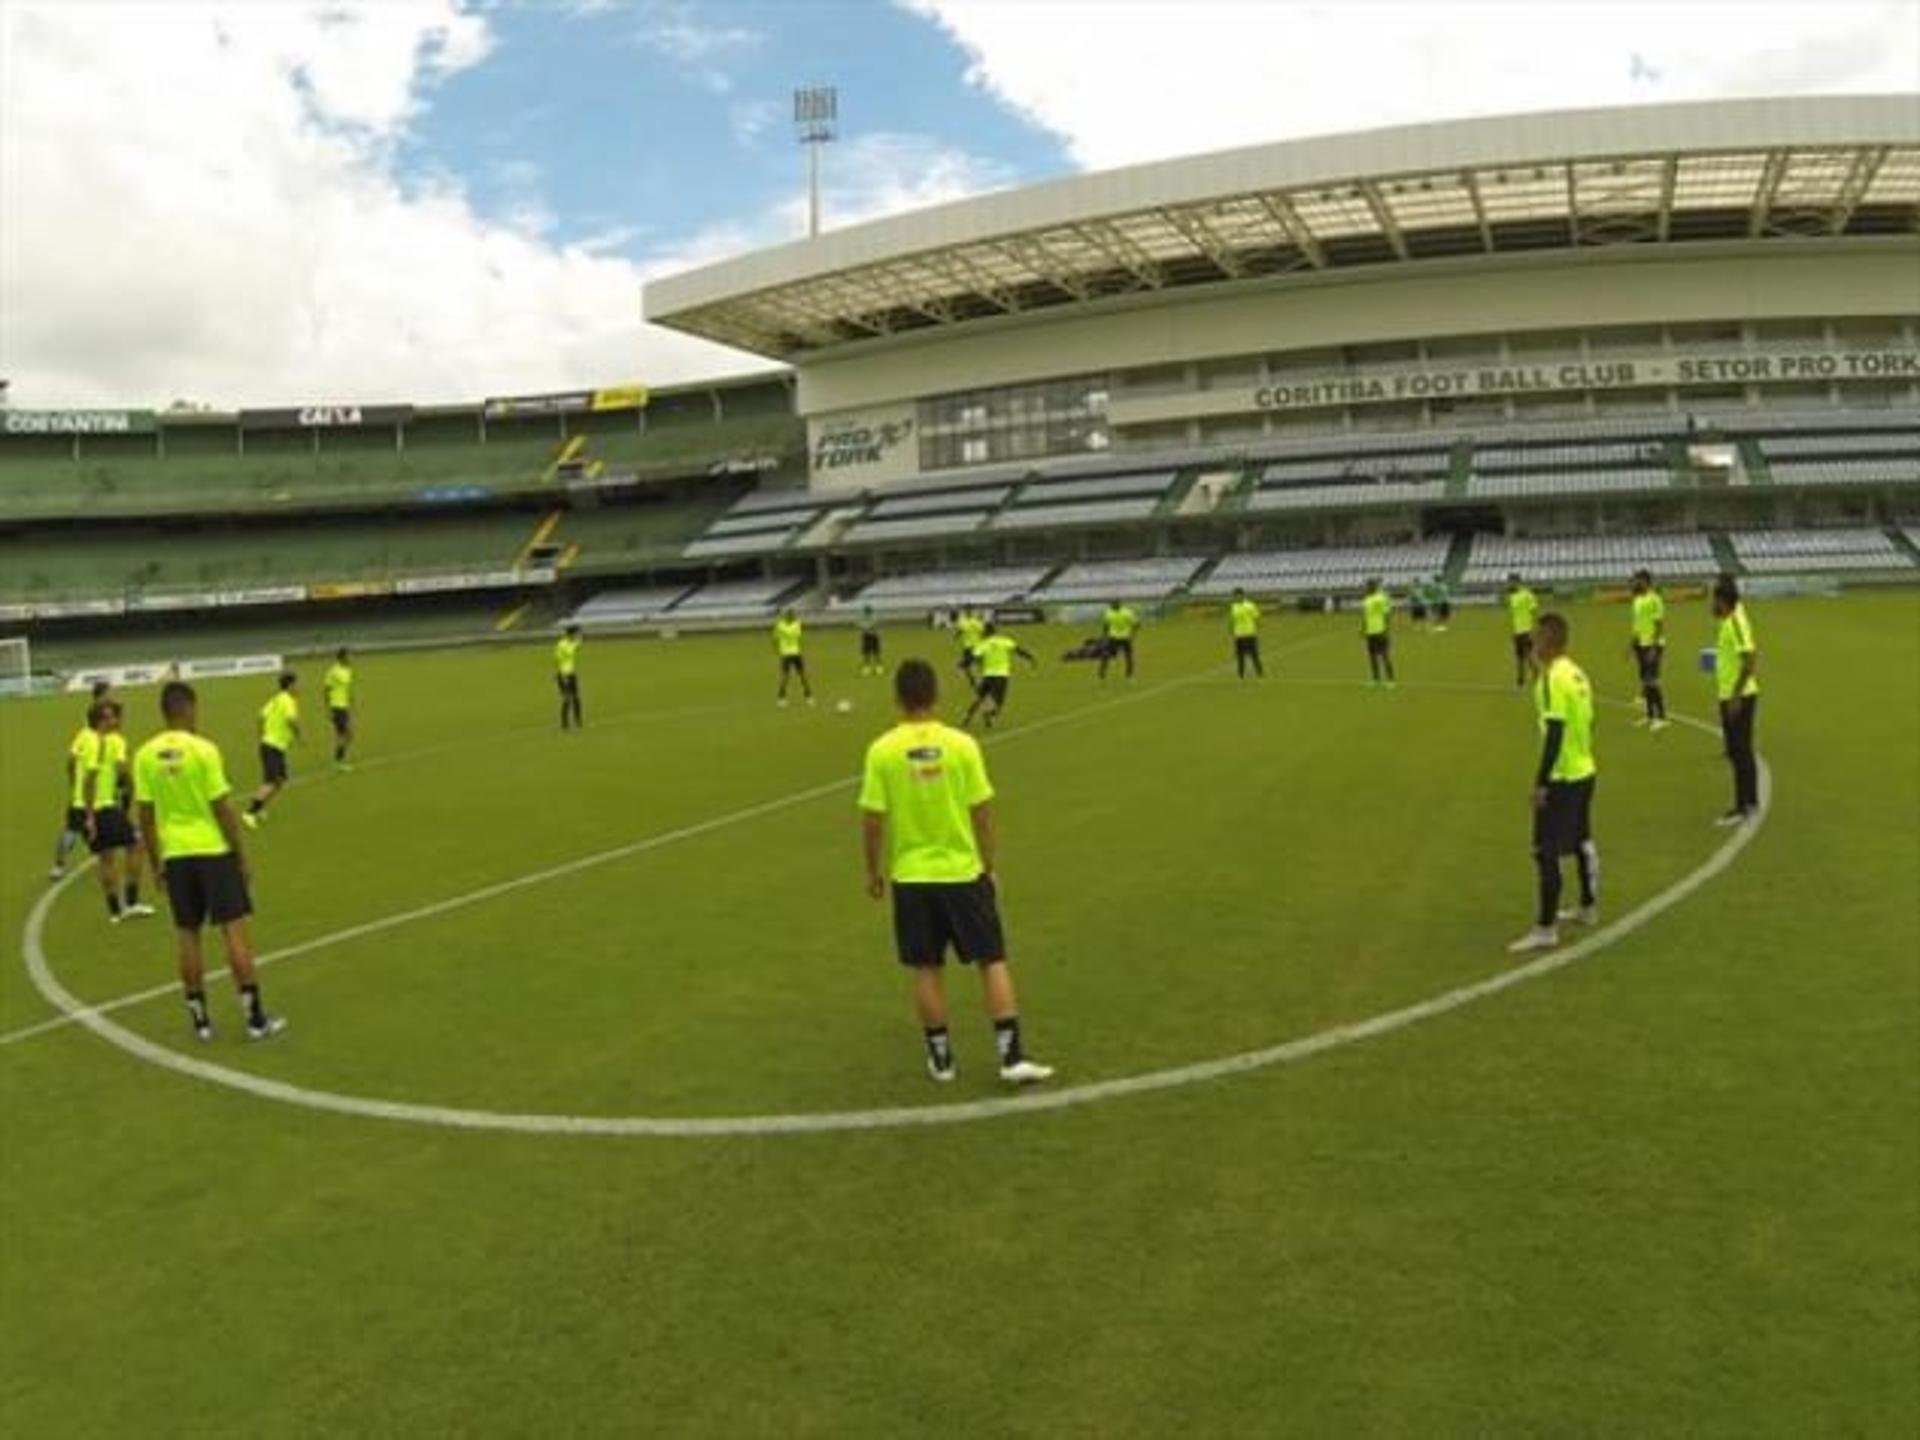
point(323, 417)
point(349, 589)
point(472, 580)
point(263, 595)
point(862, 447)
point(620, 397)
point(565, 402)
point(76, 422)
point(153, 672)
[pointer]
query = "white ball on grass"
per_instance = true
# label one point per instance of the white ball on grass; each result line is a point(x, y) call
point(845, 707)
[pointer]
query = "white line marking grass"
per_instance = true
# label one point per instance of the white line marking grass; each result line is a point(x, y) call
point(1065, 1097)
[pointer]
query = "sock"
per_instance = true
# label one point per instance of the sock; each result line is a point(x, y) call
point(940, 1048)
point(1657, 700)
point(1006, 1039)
point(339, 753)
point(197, 1008)
point(255, 805)
point(133, 892)
point(250, 998)
point(113, 903)
point(1589, 861)
point(64, 846)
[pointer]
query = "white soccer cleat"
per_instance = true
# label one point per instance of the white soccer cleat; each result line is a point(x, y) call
point(1585, 915)
point(781, 703)
point(1731, 818)
point(56, 872)
point(250, 820)
point(203, 1033)
point(114, 917)
point(942, 1076)
point(139, 910)
point(267, 1031)
point(1541, 937)
point(1640, 722)
point(1025, 1072)
point(1660, 724)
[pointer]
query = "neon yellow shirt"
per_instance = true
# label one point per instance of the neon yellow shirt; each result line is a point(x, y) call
point(106, 777)
point(278, 719)
point(1121, 622)
point(1563, 693)
point(566, 653)
point(1244, 617)
point(1649, 614)
point(969, 627)
point(996, 655)
point(1374, 610)
point(83, 752)
point(339, 685)
point(786, 636)
point(1734, 640)
point(180, 775)
point(926, 778)
point(1523, 607)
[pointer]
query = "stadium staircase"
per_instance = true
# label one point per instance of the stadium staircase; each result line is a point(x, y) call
point(1455, 568)
point(1903, 537)
point(1753, 459)
point(1460, 471)
point(1723, 555)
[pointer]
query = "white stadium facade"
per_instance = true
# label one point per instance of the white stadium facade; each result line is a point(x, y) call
point(1680, 317)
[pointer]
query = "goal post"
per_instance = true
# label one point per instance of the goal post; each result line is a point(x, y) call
point(16, 665)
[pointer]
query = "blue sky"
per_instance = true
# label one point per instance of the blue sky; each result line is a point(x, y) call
point(632, 126)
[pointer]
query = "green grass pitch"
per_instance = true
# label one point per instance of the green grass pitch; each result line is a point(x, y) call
point(1670, 1189)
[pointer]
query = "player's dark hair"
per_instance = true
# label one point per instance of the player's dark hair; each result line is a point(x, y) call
point(1726, 590)
point(915, 685)
point(98, 711)
point(100, 688)
point(1644, 574)
point(287, 679)
point(176, 698)
point(340, 654)
point(1555, 626)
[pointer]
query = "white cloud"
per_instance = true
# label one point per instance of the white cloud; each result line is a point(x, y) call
point(199, 200)
point(1130, 82)
point(751, 119)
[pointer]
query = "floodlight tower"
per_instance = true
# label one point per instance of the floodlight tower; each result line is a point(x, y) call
point(816, 120)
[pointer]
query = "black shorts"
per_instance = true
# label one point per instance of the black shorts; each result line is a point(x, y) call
point(968, 660)
point(1417, 609)
point(569, 684)
point(206, 887)
point(1246, 645)
point(1564, 823)
point(869, 645)
point(930, 918)
point(994, 688)
point(76, 820)
point(342, 720)
point(1523, 645)
point(1444, 609)
point(796, 663)
point(1118, 646)
point(273, 765)
point(1648, 658)
point(1377, 644)
point(111, 831)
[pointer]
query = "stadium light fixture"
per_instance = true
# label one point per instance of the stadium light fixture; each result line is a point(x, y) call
point(816, 121)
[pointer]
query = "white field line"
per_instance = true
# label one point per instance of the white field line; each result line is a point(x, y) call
point(575, 866)
point(1287, 1052)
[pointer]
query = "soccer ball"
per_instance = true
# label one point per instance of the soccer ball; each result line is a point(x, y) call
point(845, 707)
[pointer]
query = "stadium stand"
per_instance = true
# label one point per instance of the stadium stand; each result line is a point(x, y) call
point(1566, 483)
point(1334, 497)
point(1783, 552)
point(625, 607)
point(736, 599)
point(1588, 557)
point(1095, 512)
point(1102, 487)
point(915, 528)
point(1123, 579)
point(1334, 568)
point(943, 590)
point(758, 543)
point(893, 506)
point(1895, 471)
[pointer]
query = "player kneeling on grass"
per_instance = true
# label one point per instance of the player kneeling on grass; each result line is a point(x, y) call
point(928, 827)
point(109, 832)
point(995, 653)
point(1562, 786)
point(193, 833)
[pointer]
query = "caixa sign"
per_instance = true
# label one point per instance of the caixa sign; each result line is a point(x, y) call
point(856, 445)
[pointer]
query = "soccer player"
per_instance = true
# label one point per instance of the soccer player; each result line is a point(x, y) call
point(109, 833)
point(1376, 610)
point(1243, 621)
point(969, 626)
point(1736, 662)
point(1119, 623)
point(566, 674)
point(83, 757)
point(279, 728)
point(187, 818)
point(927, 825)
point(1441, 600)
point(788, 633)
point(1523, 607)
point(1562, 787)
point(1649, 648)
point(339, 686)
point(996, 652)
point(870, 662)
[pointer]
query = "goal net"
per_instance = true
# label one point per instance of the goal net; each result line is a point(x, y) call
point(16, 665)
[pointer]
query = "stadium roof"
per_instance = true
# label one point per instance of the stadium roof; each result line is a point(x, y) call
point(1749, 170)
